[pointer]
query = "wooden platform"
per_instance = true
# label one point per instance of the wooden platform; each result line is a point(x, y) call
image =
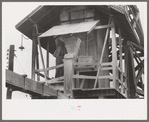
point(20, 83)
point(40, 91)
point(108, 93)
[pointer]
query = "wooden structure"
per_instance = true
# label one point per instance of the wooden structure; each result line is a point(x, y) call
point(104, 52)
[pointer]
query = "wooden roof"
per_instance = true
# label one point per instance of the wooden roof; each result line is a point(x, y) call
point(48, 16)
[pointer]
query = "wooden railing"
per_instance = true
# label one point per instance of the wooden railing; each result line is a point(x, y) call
point(50, 81)
point(121, 82)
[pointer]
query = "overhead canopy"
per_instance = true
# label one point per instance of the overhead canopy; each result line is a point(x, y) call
point(70, 28)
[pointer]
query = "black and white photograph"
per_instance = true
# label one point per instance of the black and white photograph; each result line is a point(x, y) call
point(82, 60)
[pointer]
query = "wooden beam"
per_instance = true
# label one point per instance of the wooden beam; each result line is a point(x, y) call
point(56, 80)
point(126, 68)
point(28, 85)
point(104, 26)
point(85, 67)
point(45, 73)
point(92, 28)
point(114, 53)
point(101, 58)
point(136, 54)
point(117, 41)
point(92, 77)
point(120, 60)
point(48, 57)
point(92, 64)
point(132, 78)
point(36, 59)
point(138, 47)
point(35, 31)
point(50, 68)
point(40, 74)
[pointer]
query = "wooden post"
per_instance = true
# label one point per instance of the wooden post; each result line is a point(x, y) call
point(86, 45)
point(33, 51)
point(126, 68)
point(68, 74)
point(48, 57)
point(9, 93)
point(45, 73)
point(10, 67)
point(132, 78)
point(37, 63)
point(120, 58)
point(114, 54)
point(11, 57)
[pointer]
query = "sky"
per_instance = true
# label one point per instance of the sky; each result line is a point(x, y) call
point(12, 13)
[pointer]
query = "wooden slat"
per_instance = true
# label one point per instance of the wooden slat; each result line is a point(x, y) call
point(119, 81)
point(88, 67)
point(82, 83)
point(91, 77)
point(103, 26)
point(56, 80)
point(40, 74)
point(93, 64)
point(106, 68)
point(50, 68)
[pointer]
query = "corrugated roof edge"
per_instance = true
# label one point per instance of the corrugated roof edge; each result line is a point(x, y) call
point(28, 16)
